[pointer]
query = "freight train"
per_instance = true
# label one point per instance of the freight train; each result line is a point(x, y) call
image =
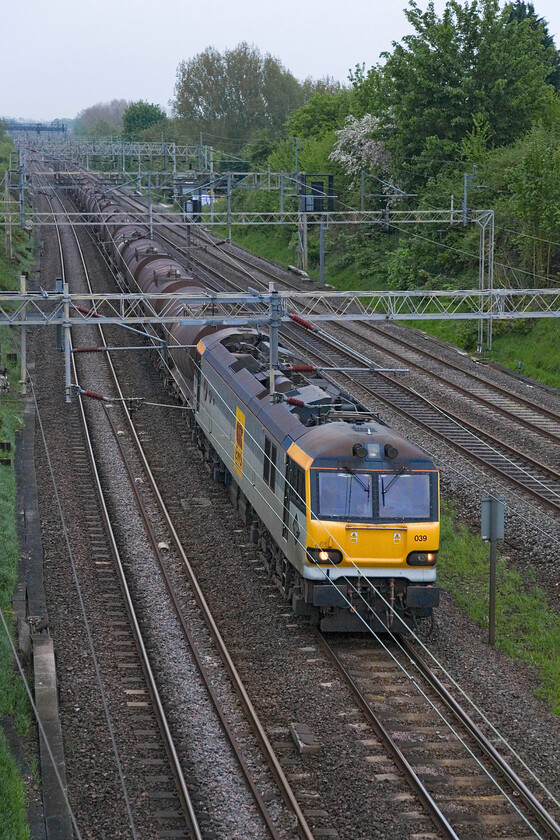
point(344, 511)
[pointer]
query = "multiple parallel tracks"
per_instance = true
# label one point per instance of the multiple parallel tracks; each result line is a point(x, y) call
point(155, 746)
point(541, 480)
point(538, 479)
point(466, 787)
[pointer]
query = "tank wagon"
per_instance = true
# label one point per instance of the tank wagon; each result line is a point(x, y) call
point(343, 509)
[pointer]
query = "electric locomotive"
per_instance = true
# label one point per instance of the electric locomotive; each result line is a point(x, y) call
point(344, 510)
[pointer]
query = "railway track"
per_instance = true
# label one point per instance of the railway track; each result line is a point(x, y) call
point(498, 400)
point(540, 479)
point(468, 806)
point(141, 696)
point(468, 789)
point(264, 778)
point(536, 477)
point(477, 389)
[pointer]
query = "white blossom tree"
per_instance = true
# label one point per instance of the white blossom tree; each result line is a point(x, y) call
point(356, 148)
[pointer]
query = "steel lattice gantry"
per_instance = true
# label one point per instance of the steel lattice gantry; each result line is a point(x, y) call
point(133, 309)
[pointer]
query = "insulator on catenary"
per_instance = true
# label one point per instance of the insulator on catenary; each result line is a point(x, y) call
point(91, 313)
point(295, 401)
point(303, 368)
point(302, 322)
point(88, 350)
point(95, 396)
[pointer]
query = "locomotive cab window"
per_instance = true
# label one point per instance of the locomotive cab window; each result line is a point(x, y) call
point(345, 495)
point(378, 497)
point(269, 465)
point(295, 484)
point(404, 496)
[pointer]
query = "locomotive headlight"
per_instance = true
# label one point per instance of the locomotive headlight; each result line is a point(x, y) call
point(422, 558)
point(322, 556)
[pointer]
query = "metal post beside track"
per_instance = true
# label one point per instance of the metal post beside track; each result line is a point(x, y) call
point(275, 312)
point(23, 348)
point(67, 344)
point(492, 530)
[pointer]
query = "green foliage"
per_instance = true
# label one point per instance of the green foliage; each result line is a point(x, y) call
point(534, 182)
point(462, 89)
point(99, 130)
point(6, 147)
point(474, 144)
point(365, 90)
point(524, 342)
point(521, 11)
point(323, 113)
point(258, 149)
point(235, 94)
point(527, 629)
point(12, 797)
point(13, 698)
point(474, 60)
point(142, 115)
point(101, 120)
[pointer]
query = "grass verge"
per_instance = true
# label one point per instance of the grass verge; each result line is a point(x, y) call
point(527, 629)
point(13, 698)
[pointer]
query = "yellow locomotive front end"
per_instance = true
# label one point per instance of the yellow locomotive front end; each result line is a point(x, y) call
point(372, 538)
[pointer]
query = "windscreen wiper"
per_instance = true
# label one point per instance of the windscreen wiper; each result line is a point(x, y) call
point(363, 484)
point(385, 490)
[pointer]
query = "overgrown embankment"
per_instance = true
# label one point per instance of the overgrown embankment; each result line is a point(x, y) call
point(13, 699)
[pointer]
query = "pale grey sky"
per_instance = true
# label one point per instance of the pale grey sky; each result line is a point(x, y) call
point(58, 58)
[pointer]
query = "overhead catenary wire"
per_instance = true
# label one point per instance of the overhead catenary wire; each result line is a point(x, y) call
point(85, 619)
point(366, 627)
point(157, 702)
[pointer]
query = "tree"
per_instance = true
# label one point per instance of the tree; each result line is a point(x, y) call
point(526, 11)
point(323, 112)
point(100, 129)
point(141, 115)
point(534, 182)
point(235, 95)
point(356, 148)
point(475, 60)
point(106, 114)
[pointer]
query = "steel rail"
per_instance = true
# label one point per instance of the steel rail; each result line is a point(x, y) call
point(508, 413)
point(189, 636)
point(472, 395)
point(175, 766)
point(431, 806)
point(536, 811)
point(474, 432)
point(542, 816)
point(372, 328)
point(207, 241)
point(89, 451)
point(282, 781)
point(470, 427)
